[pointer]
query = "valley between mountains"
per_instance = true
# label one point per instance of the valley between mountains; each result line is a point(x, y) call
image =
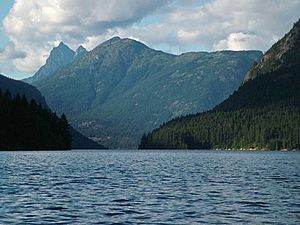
point(125, 95)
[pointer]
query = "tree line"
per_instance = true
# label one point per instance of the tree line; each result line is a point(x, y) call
point(263, 113)
point(264, 128)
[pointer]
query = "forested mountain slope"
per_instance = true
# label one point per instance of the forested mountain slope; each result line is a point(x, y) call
point(19, 89)
point(123, 88)
point(28, 126)
point(264, 113)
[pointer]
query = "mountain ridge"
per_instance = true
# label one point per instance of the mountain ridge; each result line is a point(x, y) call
point(264, 113)
point(122, 88)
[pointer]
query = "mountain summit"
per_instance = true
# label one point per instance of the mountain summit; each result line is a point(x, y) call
point(80, 52)
point(123, 88)
point(59, 56)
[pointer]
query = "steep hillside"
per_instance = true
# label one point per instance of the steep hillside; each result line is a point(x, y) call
point(264, 113)
point(123, 88)
point(31, 93)
point(79, 141)
point(18, 87)
point(284, 53)
point(28, 126)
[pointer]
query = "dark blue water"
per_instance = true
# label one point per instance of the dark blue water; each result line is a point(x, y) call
point(132, 187)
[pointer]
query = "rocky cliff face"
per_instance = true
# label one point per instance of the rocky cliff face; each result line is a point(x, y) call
point(284, 53)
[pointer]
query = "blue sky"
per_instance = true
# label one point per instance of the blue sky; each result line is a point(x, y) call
point(4, 10)
point(32, 28)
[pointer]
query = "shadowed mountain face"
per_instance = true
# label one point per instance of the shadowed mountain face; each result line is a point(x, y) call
point(123, 88)
point(277, 76)
point(18, 87)
point(32, 93)
point(264, 113)
point(26, 121)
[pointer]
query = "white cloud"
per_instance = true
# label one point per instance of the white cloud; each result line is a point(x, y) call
point(10, 52)
point(35, 26)
point(240, 41)
point(8, 57)
point(218, 25)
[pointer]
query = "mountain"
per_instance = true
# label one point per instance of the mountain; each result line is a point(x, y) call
point(80, 141)
point(123, 88)
point(264, 113)
point(59, 57)
point(80, 52)
point(284, 53)
point(19, 88)
point(25, 125)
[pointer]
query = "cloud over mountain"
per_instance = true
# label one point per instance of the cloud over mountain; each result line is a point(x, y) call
point(35, 26)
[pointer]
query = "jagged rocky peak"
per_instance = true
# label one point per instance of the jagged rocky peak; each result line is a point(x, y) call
point(80, 51)
point(278, 55)
point(63, 48)
point(62, 44)
point(59, 57)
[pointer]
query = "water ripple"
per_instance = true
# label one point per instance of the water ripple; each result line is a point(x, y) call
point(149, 187)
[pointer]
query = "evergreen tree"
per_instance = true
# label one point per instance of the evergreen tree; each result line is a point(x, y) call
point(28, 126)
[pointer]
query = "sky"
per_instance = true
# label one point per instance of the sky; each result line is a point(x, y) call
point(29, 29)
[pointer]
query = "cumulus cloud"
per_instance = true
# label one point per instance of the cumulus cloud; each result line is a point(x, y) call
point(241, 41)
point(231, 24)
point(35, 26)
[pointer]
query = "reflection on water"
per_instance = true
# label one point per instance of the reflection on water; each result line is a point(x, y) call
point(150, 187)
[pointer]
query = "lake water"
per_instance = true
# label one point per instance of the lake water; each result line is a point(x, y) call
point(150, 187)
